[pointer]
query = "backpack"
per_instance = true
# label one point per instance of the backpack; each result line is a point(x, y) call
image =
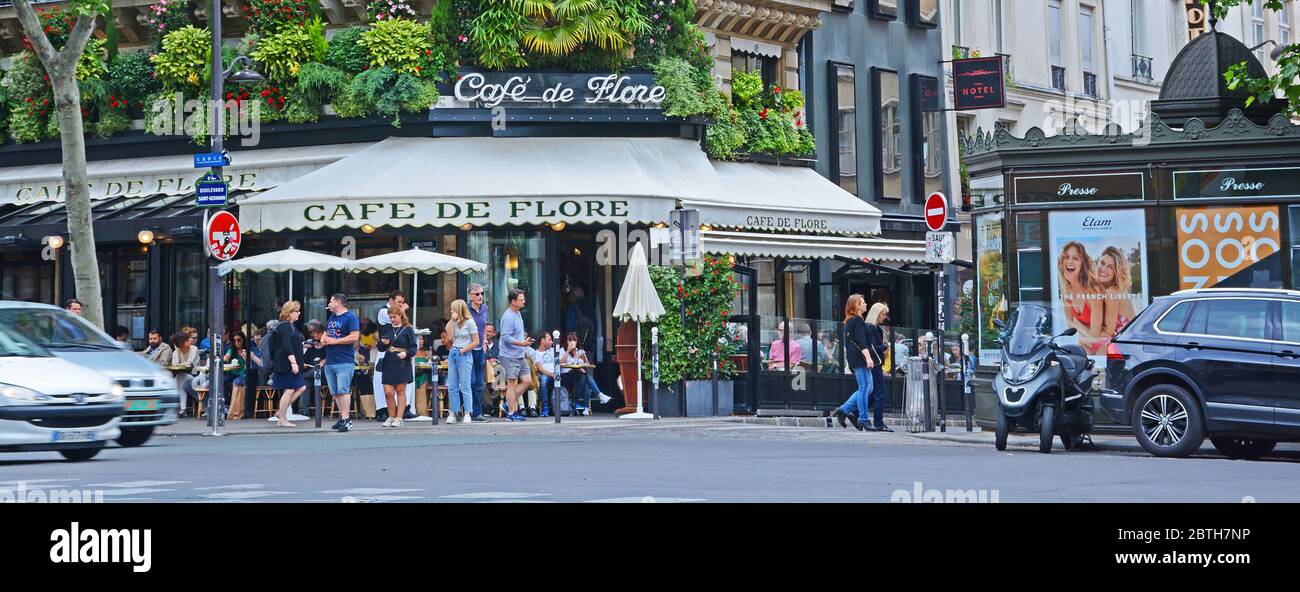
point(566, 404)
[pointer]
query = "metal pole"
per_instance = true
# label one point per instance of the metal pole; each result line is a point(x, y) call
point(654, 371)
point(965, 386)
point(316, 393)
point(555, 388)
point(939, 384)
point(681, 384)
point(715, 383)
point(216, 290)
point(925, 382)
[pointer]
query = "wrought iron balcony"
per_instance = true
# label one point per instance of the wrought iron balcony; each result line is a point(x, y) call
point(1142, 68)
point(962, 53)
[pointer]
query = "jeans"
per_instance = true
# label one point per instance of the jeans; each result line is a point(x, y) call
point(544, 391)
point(857, 402)
point(478, 376)
point(877, 401)
point(339, 378)
point(580, 386)
point(460, 367)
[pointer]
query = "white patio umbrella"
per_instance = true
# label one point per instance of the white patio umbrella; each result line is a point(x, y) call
point(638, 301)
point(289, 259)
point(415, 261)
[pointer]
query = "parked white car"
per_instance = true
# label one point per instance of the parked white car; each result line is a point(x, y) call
point(152, 398)
point(48, 403)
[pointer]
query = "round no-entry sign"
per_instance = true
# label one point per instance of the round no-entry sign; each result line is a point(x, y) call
point(936, 211)
point(223, 235)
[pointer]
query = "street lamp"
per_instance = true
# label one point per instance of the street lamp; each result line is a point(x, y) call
point(216, 129)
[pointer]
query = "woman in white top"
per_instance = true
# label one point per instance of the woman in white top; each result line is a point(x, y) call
point(573, 354)
point(185, 353)
point(460, 361)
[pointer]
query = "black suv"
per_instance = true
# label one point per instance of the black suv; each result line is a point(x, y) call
point(1222, 363)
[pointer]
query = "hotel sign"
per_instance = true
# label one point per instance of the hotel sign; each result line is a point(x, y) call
point(558, 90)
point(978, 83)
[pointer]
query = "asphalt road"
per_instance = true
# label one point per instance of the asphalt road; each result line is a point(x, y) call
point(706, 461)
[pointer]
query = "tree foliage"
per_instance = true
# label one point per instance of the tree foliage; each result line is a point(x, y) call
point(1285, 81)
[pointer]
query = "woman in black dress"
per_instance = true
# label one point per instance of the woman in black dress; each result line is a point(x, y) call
point(397, 367)
point(288, 359)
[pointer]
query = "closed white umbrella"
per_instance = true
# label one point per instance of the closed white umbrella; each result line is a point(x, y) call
point(289, 259)
point(415, 261)
point(638, 301)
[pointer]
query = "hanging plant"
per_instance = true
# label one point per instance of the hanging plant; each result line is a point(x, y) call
point(400, 44)
point(279, 55)
point(183, 63)
point(270, 16)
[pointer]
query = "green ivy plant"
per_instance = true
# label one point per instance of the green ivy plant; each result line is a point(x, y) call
point(688, 90)
point(399, 44)
point(183, 63)
point(726, 136)
point(280, 54)
point(384, 91)
point(131, 77)
point(685, 350)
point(30, 98)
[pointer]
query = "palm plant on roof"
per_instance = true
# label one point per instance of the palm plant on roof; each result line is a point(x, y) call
point(559, 27)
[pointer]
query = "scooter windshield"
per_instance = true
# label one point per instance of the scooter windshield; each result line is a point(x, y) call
point(1030, 328)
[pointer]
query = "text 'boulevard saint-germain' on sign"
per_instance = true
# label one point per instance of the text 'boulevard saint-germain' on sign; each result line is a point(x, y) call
point(559, 90)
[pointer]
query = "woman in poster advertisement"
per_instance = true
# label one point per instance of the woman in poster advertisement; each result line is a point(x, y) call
point(1115, 281)
point(1079, 291)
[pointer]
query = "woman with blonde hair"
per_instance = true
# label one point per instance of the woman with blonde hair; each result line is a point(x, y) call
point(286, 351)
point(857, 354)
point(1115, 282)
point(463, 332)
point(1078, 287)
point(876, 347)
point(398, 366)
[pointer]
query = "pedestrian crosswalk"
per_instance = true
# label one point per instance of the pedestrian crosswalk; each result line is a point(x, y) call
point(191, 492)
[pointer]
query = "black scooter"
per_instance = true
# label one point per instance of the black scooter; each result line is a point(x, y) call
point(1042, 386)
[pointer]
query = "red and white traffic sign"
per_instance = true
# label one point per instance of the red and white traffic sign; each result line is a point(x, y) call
point(223, 235)
point(936, 211)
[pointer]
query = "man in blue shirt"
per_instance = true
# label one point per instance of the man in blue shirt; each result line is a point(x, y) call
point(478, 310)
point(342, 329)
point(514, 342)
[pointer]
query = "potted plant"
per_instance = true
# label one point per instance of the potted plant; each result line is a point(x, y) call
point(687, 350)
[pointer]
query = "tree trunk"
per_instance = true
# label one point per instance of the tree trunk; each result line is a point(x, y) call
point(85, 263)
point(61, 65)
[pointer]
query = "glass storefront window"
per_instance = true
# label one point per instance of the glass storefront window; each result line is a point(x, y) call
point(1029, 256)
point(189, 266)
point(132, 297)
point(25, 276)
point(515, 260)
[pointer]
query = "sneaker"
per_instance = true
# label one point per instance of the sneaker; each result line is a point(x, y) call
point(586, 411)
point(397, 423)
point(408, 414)
point(380, 416)
point(546, 412)
point(532, 412)
point(336, 425)
point(451, 419)
point(388, 423)
point(480, 419)
point(604, 398)
point(513, 417)
point(345, 426)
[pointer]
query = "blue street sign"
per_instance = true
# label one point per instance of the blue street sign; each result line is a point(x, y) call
point(210, 191)
point(211, 159)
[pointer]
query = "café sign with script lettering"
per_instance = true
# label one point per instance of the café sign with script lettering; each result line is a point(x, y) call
point(1237, 183)
point(634, 90)
point(1080, 188)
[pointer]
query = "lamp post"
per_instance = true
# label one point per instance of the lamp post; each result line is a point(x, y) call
point(216, 131)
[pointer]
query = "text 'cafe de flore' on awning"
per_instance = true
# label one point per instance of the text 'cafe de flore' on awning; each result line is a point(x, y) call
point(552, 203)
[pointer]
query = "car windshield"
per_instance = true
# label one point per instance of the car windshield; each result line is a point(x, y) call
point(14, 345)
point(54, 328)
point(1030, 324)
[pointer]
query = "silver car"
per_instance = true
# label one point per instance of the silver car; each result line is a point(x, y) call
point(152, 398)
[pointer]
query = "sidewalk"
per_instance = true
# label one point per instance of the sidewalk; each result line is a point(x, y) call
point(260, 426)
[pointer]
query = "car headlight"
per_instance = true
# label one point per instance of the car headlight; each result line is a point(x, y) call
point(116, 392)
point(164, 380)
point(17, 393)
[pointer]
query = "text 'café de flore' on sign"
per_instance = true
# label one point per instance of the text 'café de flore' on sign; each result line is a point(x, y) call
point(546, 178)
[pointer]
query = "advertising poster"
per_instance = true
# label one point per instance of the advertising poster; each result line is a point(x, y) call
point(990, 293)
point(1230, 247)
point(1099, 274)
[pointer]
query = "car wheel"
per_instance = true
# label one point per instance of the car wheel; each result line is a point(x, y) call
point(132, 437)
point(80, 454)
point(1045, 431)
point(1247, 448)
point(1004, 426)
point(1167, 421)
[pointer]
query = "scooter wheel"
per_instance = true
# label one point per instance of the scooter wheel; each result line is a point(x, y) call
point(1004, 426)
point(1045, 432)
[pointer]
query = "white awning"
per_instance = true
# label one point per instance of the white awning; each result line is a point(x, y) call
point(801, 246)
point(168, 175)
point(492, 181)
point(784, 199)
